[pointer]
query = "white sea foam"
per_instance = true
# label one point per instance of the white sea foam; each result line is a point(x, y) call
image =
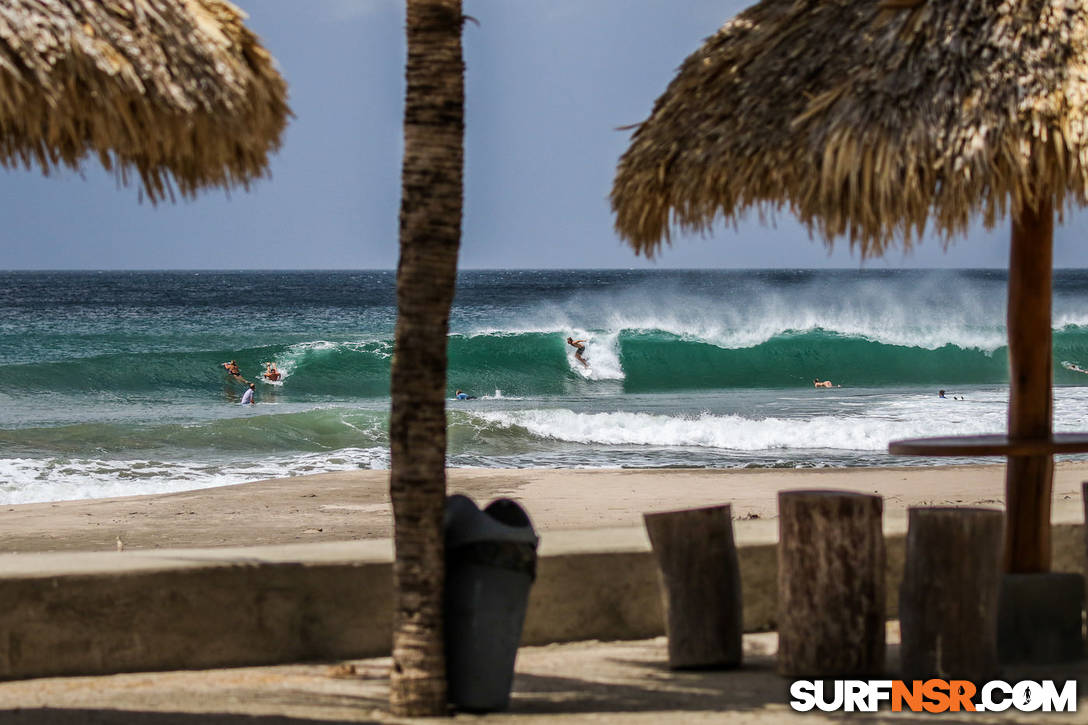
point(28, 480)
point(499, 395)
point(602, 353)
point(865, 431)
point(927, 311)
point(747, 321)
point(379, 347)
point(864, 424)
point(1069, 319)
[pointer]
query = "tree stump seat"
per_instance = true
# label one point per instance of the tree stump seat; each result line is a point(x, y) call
point(830, 584)
point(700, 577)
point(948, 600)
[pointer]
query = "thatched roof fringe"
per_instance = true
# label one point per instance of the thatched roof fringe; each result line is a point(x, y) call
point(178, 91)
point(869, 121)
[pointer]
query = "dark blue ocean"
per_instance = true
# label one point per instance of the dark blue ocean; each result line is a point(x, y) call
point(111, 384)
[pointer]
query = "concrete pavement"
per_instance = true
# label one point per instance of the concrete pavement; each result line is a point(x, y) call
point(575, 683)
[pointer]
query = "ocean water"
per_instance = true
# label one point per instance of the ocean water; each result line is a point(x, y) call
point(111, 384)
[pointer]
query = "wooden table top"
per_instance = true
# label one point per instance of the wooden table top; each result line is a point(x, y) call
point(990, 445)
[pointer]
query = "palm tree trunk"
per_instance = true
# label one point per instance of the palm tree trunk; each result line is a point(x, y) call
point(430, 234)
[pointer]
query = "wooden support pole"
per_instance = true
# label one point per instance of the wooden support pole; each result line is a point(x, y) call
point(1028, 479)
point(701, 579)
point(948, 601)
point(830, 584)
point(1084, 501)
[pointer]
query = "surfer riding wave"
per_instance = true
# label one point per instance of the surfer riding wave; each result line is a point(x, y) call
point(579, 348)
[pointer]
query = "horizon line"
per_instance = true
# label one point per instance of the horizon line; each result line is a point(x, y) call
point(240, 270)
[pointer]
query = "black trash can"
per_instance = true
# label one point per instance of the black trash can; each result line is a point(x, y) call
point(490, 565)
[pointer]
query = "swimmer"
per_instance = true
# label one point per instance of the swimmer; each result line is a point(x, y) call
point(817, 383)
point(579, 348)
point(271, 372)
point(247, 397)
point(940, 394)
point(462, 395)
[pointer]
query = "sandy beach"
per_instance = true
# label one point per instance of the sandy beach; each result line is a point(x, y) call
point(583, 681)
point(355, 505)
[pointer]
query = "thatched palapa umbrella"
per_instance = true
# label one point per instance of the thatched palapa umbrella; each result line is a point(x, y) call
point(178, 92)
point(869, 121)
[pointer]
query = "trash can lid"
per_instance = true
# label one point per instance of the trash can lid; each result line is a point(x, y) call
point(465, 523)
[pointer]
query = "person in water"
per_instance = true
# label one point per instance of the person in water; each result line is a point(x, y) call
point(579, 348)
point(247, 397)
point(271, 372)
point(817, 383)
point(462, 395)
point(232, 368)
point(940, 394)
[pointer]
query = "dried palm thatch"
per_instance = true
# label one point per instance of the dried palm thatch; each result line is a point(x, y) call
point(866, 119)
point(169, 89)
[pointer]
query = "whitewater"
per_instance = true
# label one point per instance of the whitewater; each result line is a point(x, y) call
point(111, 382)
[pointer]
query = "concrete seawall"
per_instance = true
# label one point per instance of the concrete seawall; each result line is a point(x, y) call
point(99, 613)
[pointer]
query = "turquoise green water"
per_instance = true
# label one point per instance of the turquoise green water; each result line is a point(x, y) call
point(111, 383)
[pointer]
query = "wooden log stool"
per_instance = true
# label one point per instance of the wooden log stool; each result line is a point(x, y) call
point(830, 584)
point(701, 585)
point(948, 600)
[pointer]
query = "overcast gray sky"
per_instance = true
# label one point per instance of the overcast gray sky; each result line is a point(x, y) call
point(548, 83)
